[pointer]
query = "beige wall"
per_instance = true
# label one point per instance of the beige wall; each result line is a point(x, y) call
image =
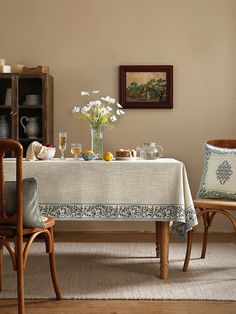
point(84, 42)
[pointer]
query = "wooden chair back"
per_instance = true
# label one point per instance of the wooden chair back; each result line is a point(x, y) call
point(19, 253)
point(16, 147)
point(224, 143)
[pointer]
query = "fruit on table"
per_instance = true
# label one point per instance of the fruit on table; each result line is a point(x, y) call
point(108, 156)
point(88, 152)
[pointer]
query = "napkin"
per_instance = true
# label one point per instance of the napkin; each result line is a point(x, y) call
point(36, 151)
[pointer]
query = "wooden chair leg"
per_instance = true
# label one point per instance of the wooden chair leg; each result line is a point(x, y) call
point(157, 239)
point(188, 250)
point(53, 268)
point(204, 243)
point(1, 265)
point(20, 274)
point(206, 220)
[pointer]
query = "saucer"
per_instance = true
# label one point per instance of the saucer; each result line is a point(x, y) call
point(126, 158)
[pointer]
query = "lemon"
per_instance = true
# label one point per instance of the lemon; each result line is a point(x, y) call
point(108, 156)
point(88, 152)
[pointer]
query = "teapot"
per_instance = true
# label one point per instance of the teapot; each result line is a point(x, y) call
point(31, 129)
point(151, 151)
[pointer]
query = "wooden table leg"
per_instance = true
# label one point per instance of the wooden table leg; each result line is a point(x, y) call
point(157, 239)
point(1, 265)
point(164, 249)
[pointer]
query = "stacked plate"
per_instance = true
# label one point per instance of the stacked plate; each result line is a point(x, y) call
point(32, 100)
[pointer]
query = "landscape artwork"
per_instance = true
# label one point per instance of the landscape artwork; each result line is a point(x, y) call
point(146, 86)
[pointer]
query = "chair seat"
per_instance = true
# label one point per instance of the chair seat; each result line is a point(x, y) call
point(215, 204)
point(10, 230)
point(48, 223)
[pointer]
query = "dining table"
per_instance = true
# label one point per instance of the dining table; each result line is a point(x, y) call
point(118, 190)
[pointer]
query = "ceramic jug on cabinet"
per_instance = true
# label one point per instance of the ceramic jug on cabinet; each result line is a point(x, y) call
point(4, 127)
point(31, 128)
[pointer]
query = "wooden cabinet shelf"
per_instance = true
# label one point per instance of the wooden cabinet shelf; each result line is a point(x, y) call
point(30, 107)
point(29, 140)
point(30, 96)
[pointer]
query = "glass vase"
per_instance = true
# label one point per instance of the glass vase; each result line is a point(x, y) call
point(97, 140)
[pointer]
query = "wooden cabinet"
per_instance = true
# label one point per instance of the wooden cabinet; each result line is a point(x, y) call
point(29, 96)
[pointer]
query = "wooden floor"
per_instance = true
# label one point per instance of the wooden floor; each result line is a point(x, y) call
point(120, 307)
point(116, 306)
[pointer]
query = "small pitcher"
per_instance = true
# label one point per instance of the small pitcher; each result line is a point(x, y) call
point(31, 128)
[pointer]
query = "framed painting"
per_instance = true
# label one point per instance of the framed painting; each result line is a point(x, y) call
point(146, 86)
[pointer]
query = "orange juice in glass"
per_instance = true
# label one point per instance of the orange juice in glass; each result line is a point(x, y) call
point(76, 149)
point(62, 143)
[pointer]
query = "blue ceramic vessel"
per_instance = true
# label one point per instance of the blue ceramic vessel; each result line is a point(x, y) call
point(88, 157)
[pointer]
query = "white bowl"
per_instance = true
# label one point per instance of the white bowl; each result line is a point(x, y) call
point(46, 153)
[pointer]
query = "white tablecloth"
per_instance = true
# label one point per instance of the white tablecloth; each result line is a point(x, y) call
point(141, 190)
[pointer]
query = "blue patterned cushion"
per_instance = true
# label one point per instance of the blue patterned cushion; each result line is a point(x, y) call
point(219, 173)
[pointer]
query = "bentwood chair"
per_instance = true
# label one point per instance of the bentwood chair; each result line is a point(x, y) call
point(220, 157)
point(12, 226)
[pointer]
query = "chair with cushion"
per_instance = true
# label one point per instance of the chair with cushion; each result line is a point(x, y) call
point(20, 218)
point(217, 192)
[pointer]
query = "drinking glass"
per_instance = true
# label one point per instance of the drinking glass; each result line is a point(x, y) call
point(62, 143)
point(76, 149)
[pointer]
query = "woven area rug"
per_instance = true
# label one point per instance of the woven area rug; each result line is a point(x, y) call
point(126, 271)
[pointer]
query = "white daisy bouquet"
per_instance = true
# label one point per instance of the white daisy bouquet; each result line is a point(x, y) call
point(99, 112)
